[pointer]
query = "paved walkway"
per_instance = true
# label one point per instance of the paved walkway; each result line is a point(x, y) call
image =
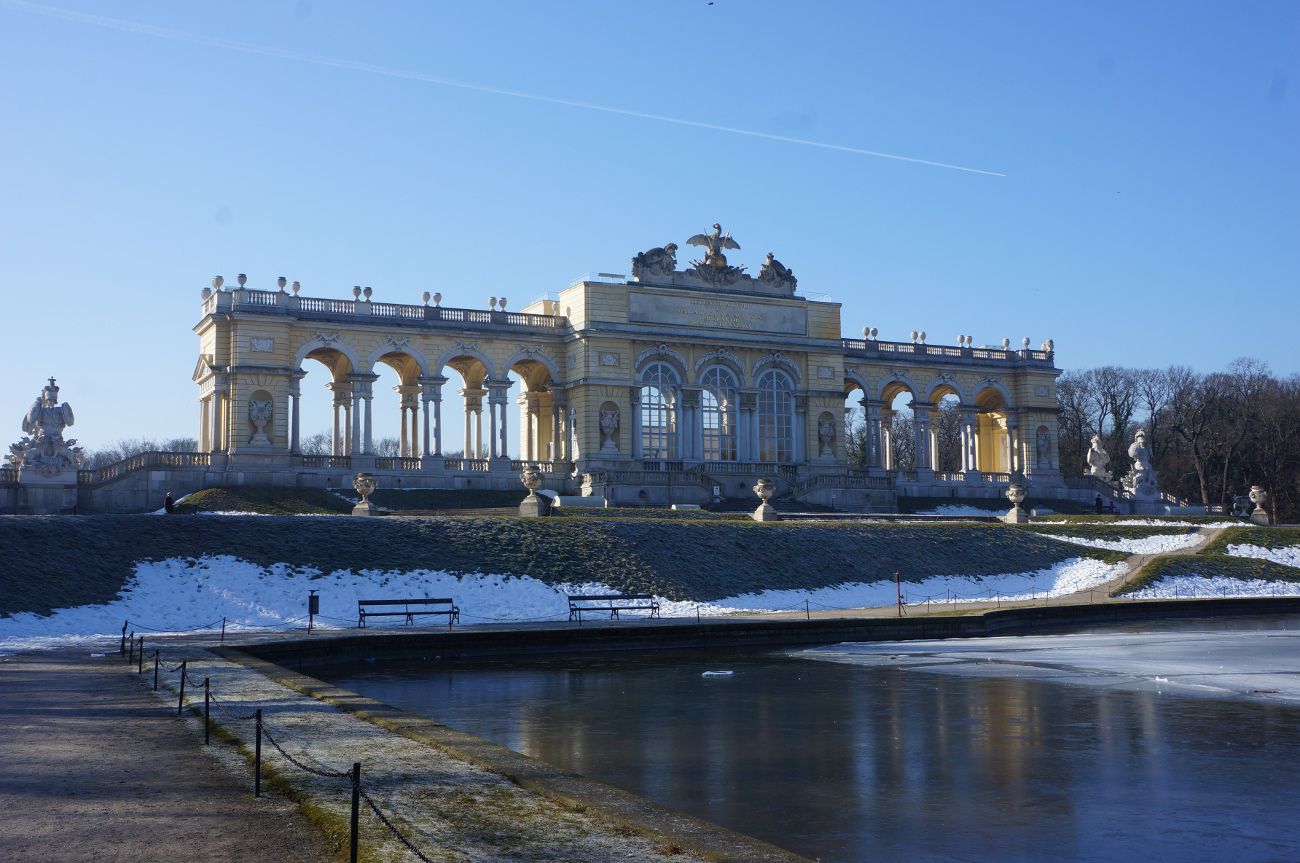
point(96, 769)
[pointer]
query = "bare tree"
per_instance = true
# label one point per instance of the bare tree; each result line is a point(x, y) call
point(321, 443)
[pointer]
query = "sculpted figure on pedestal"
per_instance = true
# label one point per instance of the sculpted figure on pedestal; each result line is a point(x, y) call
point(1141, 478)
point(609, 430)
point(775, 272)
point(43, 449)
point(1097, 460)
point(713, 267)
point(259, 414)
point(659, 261)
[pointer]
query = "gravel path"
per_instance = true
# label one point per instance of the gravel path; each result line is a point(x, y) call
point(94, 769)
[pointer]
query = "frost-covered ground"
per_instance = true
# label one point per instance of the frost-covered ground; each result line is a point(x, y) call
point(1192, 586)
point(1142, 545)
point(178, 595)
point(1216, 663)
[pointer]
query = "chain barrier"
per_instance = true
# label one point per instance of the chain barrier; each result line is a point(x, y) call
point(401, 837)
point(328, 774)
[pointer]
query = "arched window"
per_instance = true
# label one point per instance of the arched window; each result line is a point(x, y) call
point(718, 406)
point(659, 384)
point(775, 417)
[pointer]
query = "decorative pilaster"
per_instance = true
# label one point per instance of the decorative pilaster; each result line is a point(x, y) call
point(634, 402)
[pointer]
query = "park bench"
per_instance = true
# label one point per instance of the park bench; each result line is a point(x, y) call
point(613, 603)
point(409, 609)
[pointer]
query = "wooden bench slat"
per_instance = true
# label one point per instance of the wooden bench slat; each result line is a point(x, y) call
point(409, 612)
point(611, 602)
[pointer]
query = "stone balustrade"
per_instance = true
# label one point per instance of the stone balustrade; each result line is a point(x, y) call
point(872, 348)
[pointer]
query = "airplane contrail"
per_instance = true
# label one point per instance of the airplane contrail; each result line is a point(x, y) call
point(390, 72)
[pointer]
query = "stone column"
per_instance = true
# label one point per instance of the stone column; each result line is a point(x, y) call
point(921, 428)
point(295, 414)
point(749, 425)
point(205, 424)
point(799, 440)
point(970, 443)
point(560, 403)
point(1013, 444)
point(431, 394)
point(368, 398)
point(354, 439)
point(634, 406)
point(497, 391)
point(531, 405)
point(473, 421)
point(872, 409)
point(888, 461)
point(214, 413)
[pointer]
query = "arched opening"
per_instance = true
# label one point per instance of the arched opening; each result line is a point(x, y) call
point(324, 424)
point(856, 438)
point(994, 449)
point(719, 400)
point(898, 426)
point(464, 403)
point(396, 423)
point(540, 419)
point(775, 417)
point(660, 385)
point(946, 438)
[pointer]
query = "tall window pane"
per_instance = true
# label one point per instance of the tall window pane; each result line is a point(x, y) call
point(775, 417)
point(718, 406)
point(658, 419)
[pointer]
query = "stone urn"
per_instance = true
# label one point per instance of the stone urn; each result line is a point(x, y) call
point(765, 489)
point(1259, 498)
point(365, 485)
point(1016, 494)
point(535, 505)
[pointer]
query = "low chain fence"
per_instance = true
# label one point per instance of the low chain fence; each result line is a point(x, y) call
point(188, 689)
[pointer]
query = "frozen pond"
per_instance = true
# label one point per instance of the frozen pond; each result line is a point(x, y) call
point(1102, 746)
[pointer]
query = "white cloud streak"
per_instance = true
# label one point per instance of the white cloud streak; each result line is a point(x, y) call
point(139, 28)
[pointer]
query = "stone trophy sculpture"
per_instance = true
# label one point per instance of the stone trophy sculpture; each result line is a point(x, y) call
point(1259, 498)
point(609, 430)
point(826, 439)
point(1097, 461)
point(659, 261)
point(260, 412)
point(42, 454)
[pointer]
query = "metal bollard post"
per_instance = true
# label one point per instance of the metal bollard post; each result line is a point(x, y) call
point(122, 650)
point(180, 702)
point(257, 757)
point(807, 615)
point(155, 669)
point(356, 809)
point(223, 630)
point(207, 711)
point(140, 663)
point(130, 646)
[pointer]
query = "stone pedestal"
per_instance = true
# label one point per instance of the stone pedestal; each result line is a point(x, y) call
point(47, 495)
point(365, 507)
point(535, 506)
point(765, 489)
point(766, 512)
point(1016, 516)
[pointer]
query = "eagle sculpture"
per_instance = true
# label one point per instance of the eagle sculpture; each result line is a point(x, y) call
point(715, 243)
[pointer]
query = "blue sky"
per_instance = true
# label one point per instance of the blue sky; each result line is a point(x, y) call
point(1149, 213)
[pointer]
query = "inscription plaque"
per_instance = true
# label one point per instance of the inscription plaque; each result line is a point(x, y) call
point(716, 313)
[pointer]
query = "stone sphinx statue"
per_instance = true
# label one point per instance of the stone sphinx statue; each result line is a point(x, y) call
point(659, 261)
point(43, 449)
point(1097, 460)
point(1141, 478)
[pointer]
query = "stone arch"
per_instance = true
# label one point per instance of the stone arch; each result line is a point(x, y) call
point(417, 367)
point(988, 385)
point(531, 355)
point(462, 350)
point(855, 378)
point(720, 357)
point(329, 344)
point(894, 383)
point(779, 361)
point(944, 384)
point(661, 353)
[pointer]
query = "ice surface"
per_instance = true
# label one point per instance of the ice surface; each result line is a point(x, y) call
point(1214, 663)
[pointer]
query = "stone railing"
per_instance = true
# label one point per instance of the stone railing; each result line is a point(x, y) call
point(143, 461)
point(466, 465)
point(634, 477)
point(397, 463)
point(949, 476)
point(279, 302)
point(945, 353)
point(544, 466)
point(328, 461)
point(813, 483)
point(999, 478)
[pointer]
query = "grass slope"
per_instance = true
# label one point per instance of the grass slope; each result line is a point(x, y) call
point(268, 500)
point(53, 562)
point(1214, 560)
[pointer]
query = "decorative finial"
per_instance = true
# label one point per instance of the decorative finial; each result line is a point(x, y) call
point(242, 279)
point(437, 299)
point(913, 336)
point(217, 282)
point(281, 282)
point(502, 303)
point(356, 292)
point(866, 332)
point(1006, 344)
point(368, 291)
point(874, 332)
point(492, 303)
point(1025, 342)
point(922, 336)
point(425, 296)
point(295, 287)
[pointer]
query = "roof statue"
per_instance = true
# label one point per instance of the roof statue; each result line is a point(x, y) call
point(713, 268)
point(43, 448)
point(658, 266)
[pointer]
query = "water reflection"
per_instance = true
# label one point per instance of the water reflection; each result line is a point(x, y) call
point(851, 763)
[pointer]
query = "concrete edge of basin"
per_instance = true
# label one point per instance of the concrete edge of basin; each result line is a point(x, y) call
point(614, 806)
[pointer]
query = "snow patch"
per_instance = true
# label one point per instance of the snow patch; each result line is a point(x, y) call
point(1193, 586)
point(959, 509)
point(1286, 556)
point(1143, 545)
